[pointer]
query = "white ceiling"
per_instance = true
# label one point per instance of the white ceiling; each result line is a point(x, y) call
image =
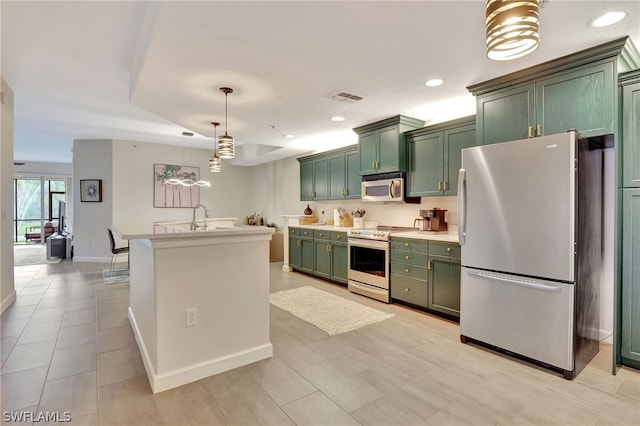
point(147, 71)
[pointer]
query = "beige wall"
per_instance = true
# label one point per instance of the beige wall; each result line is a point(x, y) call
point(7, 287)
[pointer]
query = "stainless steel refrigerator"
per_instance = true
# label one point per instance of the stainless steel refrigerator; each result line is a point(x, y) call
point(530, 227)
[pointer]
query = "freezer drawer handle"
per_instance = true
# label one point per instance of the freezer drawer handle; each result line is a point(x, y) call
point(521, 283)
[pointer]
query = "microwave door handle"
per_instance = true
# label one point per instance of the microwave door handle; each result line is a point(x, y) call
point(391, 189)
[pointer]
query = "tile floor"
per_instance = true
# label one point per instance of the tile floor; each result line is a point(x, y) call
point(67, 347)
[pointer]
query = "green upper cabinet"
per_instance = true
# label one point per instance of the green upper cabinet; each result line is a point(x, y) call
point(313, 179)
point(504, 115)
point(328, 176)
point(434, 156)
point(630, 117)
point(344, 174)
point(582, 99)
point(577, 91)
point(425, 164)
point(382, 146)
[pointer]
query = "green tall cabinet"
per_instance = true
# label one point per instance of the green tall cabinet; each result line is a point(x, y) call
point(434, 156)
point(331, 175)
point(630, 195)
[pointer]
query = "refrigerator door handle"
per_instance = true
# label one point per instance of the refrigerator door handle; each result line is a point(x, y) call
point(521, 283)
point(462, 207)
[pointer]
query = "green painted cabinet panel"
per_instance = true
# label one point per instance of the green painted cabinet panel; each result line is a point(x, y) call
point(631, 134)
point(368, 148)
point(409, 290)
point(630, 347)
point(434, 156)
point(455, 140)
point(353, 177)
point(314, 179)
point(581, 99)
point(444, 285)
point(306, 180)
point(382, 146)
point(322, 263)
point(391, 156)
point(320, 179)
point(344, 175)
point(425, 166)
point(505, 115)
point(339, 263)
point(319, 252)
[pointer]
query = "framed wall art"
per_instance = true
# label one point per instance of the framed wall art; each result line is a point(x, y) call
point(174, 186)
point(91, 190)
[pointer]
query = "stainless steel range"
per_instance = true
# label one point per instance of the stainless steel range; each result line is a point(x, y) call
point(369, 260)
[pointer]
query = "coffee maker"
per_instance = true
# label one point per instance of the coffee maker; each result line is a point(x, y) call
point(433, 220)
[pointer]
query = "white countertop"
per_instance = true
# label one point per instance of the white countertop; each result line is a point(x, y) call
point(450, 236)
point(151, 231)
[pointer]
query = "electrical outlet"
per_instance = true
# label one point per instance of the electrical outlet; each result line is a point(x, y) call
point(191, 317)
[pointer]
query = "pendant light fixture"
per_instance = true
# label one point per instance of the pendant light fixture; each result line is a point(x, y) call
point(512, 28)
point(215, 163)
point(226, 144)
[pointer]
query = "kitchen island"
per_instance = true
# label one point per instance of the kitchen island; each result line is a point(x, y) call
point(199, 299)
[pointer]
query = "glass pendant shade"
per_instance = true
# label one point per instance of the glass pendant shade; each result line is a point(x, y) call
point(226, 146)
point(512, 28)
point(215, 164)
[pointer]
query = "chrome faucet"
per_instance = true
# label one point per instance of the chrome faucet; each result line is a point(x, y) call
point(194, 226)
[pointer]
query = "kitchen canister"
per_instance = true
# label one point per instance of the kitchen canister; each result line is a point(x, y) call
point(358, 222)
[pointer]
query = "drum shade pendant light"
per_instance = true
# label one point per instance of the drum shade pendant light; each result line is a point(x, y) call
point(215, 163)
point(512, 28)
point(226, 144)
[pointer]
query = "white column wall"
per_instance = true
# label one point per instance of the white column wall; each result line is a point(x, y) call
point(92, 160)
point(7, 287)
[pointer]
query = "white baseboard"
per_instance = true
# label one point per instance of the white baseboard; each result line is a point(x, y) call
point(7, 301)
point(192, 373)
point(91, 259)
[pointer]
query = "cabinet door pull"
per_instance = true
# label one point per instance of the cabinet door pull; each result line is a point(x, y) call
point(439, 186)
point(407, 257)
point(299, 243)
point(429, 264)
point(449, 249)
point(407, 270)
point(407, 289)
point(329, 247)
point(444, 185)
point(406, 244)
point(538, 130)
point(530, 133)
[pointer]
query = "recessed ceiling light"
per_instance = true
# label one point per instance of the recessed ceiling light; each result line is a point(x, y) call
point(609, 18)
point(337, 118)
point(434, 82)
point(289, 136)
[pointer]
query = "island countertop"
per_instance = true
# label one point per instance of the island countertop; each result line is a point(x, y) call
point(180, 230)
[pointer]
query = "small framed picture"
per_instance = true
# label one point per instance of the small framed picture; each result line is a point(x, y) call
point(91, 190)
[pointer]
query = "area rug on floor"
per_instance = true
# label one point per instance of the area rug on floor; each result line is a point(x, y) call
point(326, 311)
point(116, 276)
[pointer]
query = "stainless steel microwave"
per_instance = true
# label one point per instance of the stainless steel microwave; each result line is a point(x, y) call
point(383, 187)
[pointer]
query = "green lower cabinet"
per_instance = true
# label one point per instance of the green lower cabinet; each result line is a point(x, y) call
point(444, 285)
point(301, 254)
point(631, 277)
point(426, 274)
point(409, 290)
point(339, 263)
point(320, 253)
point(322, 258)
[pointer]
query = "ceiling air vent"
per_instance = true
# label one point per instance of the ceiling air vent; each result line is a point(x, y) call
point(346, 97)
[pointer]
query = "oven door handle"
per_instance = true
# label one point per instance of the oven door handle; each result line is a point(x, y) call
point(360, 242)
